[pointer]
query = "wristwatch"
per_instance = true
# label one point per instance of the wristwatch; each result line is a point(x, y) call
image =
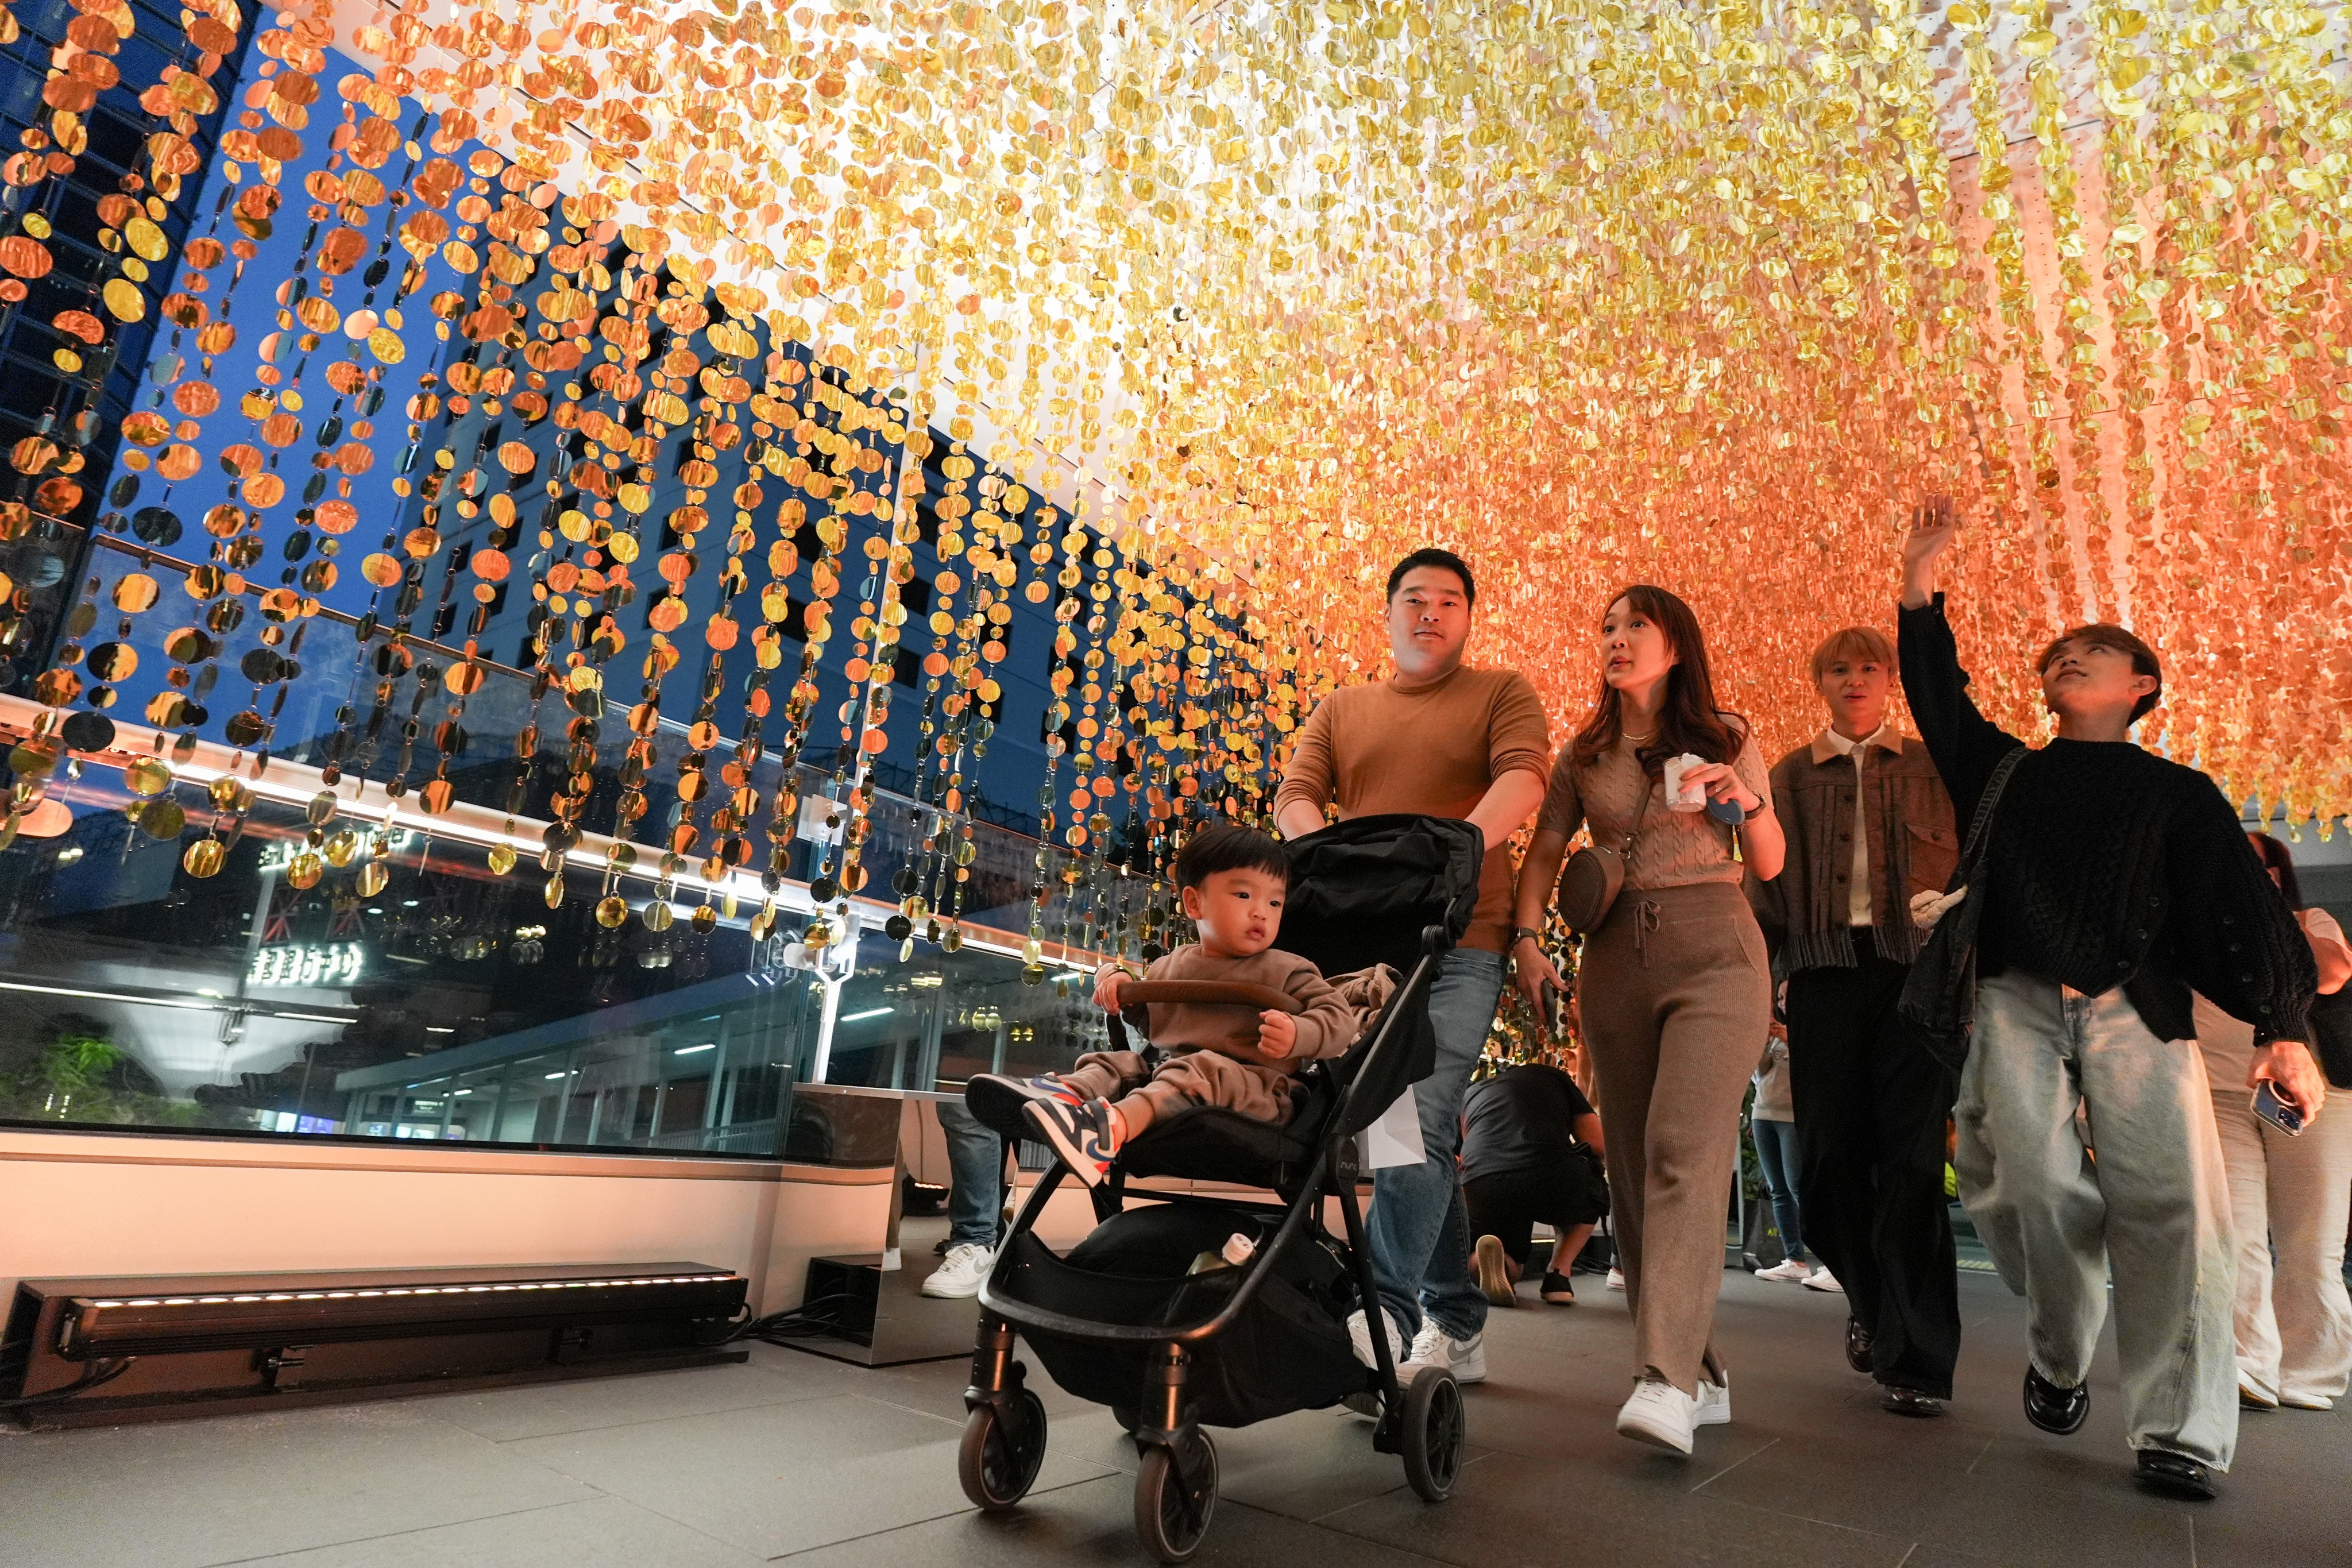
point(1524, 934)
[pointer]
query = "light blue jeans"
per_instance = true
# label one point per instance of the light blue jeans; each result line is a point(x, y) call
point(2153, 1206)
point(975, 1177)
point(1420, 1231)
point(1777, 1158)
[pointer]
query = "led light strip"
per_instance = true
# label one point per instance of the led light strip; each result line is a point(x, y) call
point(209, 1005)
point(375, 1292)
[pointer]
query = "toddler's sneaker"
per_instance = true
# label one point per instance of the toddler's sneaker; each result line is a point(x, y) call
point(1084, 1135)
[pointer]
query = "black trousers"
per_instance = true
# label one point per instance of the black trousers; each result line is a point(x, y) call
point(1870, 1107)
point(1508, 1206)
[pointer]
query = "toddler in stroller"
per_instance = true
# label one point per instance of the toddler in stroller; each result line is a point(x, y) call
point(1136, 1317)
point(1243, 1056)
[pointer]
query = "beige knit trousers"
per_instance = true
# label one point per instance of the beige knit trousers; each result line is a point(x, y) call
point(1676, 997)
point(1183, 1079)
point(2291, 1194)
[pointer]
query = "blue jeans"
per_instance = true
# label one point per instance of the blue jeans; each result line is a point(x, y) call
point(1777, 1156)
point(1420, 1231)
point(975, 1177)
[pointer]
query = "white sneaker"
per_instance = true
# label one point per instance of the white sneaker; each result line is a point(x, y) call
point(1712, 1406)
point(961, 1272)
point(1616, 1278)
point(2294, 1399)
point(1788, 1271)
point(1822, 1280)
point(1359, 1334)
point(1467, 1359)
point(1658, 1414)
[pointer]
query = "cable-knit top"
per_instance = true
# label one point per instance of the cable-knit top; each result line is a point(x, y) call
point(2111, 866)
point(1616, 797)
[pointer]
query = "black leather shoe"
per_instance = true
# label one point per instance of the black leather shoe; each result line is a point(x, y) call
point(2055, 1409)
point(1857, 1346)
point(1910, 1402)
point(2173, 1475)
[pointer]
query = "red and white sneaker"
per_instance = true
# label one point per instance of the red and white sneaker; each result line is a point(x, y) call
point(1047, 1087)
point(1085, 1135)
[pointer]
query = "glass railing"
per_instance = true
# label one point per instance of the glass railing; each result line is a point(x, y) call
point(373, 974)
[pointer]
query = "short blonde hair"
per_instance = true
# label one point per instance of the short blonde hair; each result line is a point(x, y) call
point(1861, 644)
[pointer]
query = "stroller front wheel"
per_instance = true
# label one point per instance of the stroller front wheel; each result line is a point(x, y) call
point(1004, 1448)
point(1435, 1433)
point(1175, 1497)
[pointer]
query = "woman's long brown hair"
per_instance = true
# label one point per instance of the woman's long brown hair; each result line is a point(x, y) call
point(1690, 721)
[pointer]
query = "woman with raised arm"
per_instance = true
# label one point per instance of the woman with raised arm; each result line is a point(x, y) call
point(1676, 989)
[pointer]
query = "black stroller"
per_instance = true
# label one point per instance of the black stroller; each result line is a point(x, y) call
point(1120, 1320)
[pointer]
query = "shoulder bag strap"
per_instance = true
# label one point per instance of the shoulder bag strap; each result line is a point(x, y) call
point(1972, 853)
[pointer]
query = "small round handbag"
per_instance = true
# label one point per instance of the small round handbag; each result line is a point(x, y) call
point(1589, 885)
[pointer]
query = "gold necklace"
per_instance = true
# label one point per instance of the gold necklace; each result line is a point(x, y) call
point(1638, 740)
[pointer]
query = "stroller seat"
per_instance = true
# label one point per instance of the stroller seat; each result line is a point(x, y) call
point(1201, 1142)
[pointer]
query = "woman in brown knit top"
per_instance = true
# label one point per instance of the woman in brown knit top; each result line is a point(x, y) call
point(1676, 990)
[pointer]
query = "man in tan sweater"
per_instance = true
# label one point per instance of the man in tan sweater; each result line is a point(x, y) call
point(1232, 882)
point(1436, 739)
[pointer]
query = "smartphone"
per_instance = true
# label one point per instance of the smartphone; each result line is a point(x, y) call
point(2282, 1114)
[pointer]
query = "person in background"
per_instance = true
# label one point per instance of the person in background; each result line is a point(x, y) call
point(1439, 738)
point(975, 1203)
point(2291, 1195)
point(1532, 1152)
point(2114, 881)
point(1772, 1122)
point(1869, 825)
point(1675, 988)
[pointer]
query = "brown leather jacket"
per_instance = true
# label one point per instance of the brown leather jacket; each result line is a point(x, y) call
point(1912, 848)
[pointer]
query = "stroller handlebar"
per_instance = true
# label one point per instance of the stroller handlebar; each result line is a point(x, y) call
point(1209, 992)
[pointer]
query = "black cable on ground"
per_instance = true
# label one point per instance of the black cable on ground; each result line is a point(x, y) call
point(98, 1372)
point(811, 1318)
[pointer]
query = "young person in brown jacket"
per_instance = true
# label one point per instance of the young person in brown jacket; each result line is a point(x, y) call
point(1439, 738)
point(1868, 826)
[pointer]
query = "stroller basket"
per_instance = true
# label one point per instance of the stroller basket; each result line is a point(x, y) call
point(1284, 1351)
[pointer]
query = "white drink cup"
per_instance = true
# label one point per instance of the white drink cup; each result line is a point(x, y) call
point(1679, 795)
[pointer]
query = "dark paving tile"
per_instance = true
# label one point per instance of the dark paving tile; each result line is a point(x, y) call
point(1932, 1495)
point(605, 1533)
point(191, 1493)
point(933, 1387)
point(1512, 1509)
point(785, 1478)
point(1092, 1522)
point(508, 1413)
point(2318, 1537)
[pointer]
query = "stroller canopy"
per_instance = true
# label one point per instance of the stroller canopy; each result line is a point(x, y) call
point(1363, 891)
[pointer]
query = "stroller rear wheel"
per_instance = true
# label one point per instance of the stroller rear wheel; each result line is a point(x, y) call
point(1003, 1447)
point(1175, 1497)
point(1435, 1433)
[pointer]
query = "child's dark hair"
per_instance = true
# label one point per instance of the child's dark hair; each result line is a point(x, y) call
point(1229, 847)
